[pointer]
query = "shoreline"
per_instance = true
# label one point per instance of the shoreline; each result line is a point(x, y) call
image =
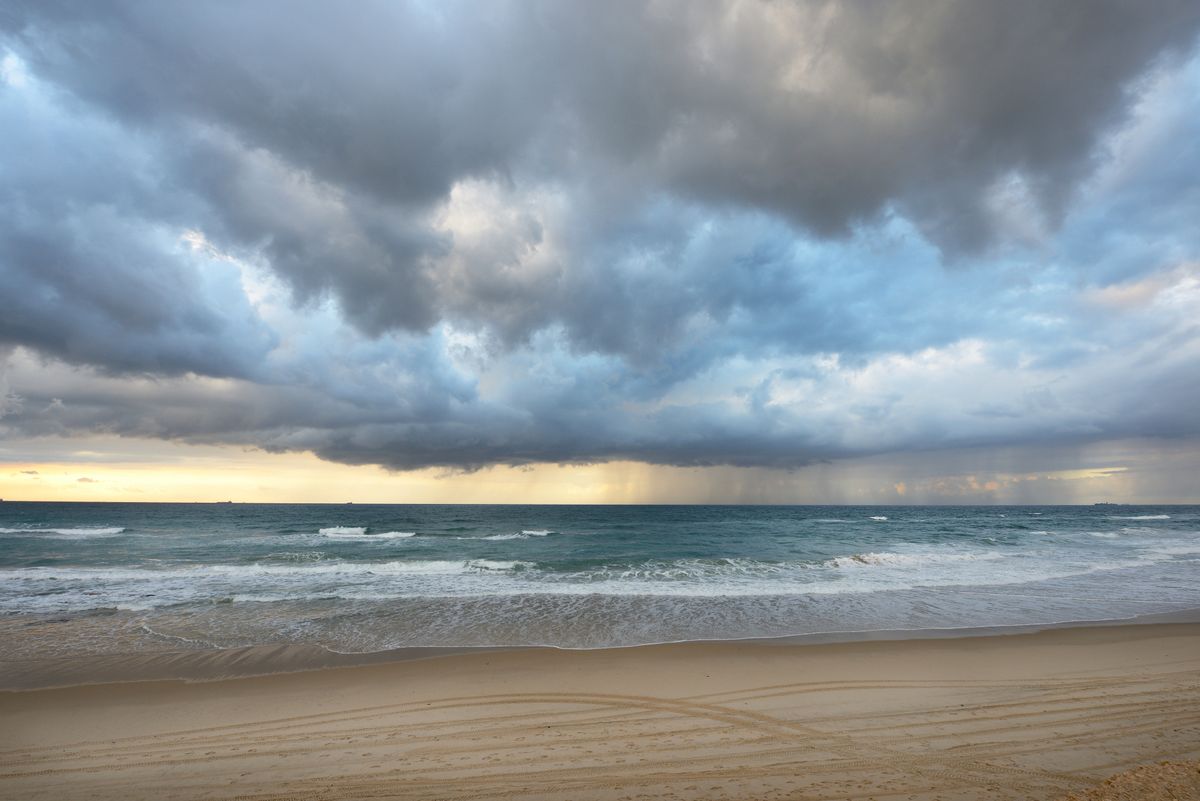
point(209, 665)
point(1028, 715)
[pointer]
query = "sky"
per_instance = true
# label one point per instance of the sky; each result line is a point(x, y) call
point(748, 251)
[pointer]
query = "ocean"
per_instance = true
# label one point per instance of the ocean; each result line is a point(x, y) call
point(83, 578)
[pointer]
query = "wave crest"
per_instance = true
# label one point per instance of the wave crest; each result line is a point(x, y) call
point(1141, 517)
point(524, 535)
point(360, 533)
point(67, 533)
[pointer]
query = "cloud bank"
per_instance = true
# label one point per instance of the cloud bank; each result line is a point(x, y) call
point(743, 233)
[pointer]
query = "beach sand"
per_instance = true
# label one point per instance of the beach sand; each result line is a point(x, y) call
point(1022, 716)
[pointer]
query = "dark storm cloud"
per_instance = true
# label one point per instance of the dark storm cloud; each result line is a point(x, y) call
point(824, 113)
point(672, 232)
point(87, 272)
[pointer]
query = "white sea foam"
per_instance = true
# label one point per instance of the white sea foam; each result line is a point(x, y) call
point(889, 559)
point(1105, 535)
point(524, 535)
point(878, 517)
point(709, 572)
point(66, 533)
point(342, 531)
point(286, 577)
point(1176, 550)
point(351, 569)
point(494, 564)
point(1141, 517)
point(361, 535)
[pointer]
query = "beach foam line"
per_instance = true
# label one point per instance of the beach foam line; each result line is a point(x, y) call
point(46, 589)
point(889, 559)
point(297, 570)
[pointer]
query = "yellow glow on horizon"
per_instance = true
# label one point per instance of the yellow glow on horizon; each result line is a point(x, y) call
point(165, 472)
point(303, 478)
point(112, 469)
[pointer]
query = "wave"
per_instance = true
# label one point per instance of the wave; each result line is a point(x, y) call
point(342, 531)
point(708, 571)
point(360, 534)
point(889, 559)
point(878, 517)
point(1105, 535)
point(1140, 517)
point(524, 535)
point(430, 566)
point(67, 533)
point(1176, 550)
point(298, 570)
point(65, 589)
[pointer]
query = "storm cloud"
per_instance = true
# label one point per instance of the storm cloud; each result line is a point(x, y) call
point(746, 233)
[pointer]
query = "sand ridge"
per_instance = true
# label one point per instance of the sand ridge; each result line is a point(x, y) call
point(1024, 716)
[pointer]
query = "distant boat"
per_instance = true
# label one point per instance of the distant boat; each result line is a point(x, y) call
point(1106, 503)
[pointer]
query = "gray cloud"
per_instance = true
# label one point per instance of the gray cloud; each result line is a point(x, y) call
point(91, 273)
point(676, 233)
point(339, 132)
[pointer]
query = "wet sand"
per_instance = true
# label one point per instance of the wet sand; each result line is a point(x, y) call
point(1023, 716)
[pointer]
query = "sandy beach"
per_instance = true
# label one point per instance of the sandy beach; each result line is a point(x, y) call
point(1029, 716)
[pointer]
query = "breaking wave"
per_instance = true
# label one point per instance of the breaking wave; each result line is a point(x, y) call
point(523, 535)
point(1140, 517)
point(66, 533)
point(362, 535)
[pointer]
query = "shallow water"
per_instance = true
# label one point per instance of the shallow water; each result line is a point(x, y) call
point(81, 578)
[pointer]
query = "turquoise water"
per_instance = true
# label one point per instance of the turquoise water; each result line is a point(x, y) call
point(103, 577)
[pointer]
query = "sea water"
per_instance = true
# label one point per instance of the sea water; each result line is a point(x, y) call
point(100, 578)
